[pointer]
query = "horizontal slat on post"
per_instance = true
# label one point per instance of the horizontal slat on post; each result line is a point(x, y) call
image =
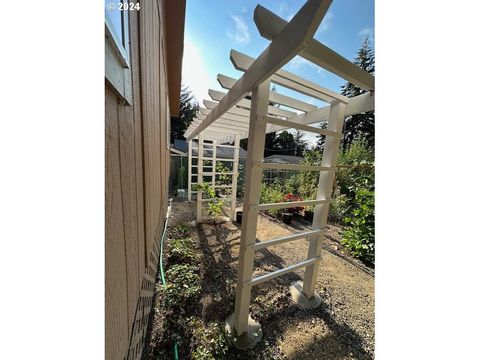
point(294, 167)
point(262, 278)
point(289, 204)
point(220, 198)
point(298, 126)
point(210, 158)
point(284, 239)
point(226, 146)
point(223, 186)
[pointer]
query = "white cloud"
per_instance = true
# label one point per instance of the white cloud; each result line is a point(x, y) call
point(241, 33)
point(366, 32)
point(194, 71)
point(297, 62)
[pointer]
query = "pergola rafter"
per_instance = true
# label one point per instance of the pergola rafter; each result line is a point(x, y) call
point(232, 116)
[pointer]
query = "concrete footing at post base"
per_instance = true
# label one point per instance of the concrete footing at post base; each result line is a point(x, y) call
point(249, 338)
point(299, 297)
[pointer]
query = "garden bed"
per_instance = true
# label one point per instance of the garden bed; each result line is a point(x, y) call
point(341, 328)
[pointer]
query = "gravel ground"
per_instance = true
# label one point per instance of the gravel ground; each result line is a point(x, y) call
point(341, 328)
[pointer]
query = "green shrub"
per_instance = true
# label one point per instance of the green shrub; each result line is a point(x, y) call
point(351, 177)
point(182, 284)
point(292, 185)
point(209, 341)
point(338, 207)
point(359, 237)
point(215, 204)
point(181, 250)
point(271, 194)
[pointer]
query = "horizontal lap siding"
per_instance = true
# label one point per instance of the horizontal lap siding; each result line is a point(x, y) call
point(136, 186)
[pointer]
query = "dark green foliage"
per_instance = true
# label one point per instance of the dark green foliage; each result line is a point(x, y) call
point(272, 193)
point(361, 126)
point(282, 143)
point(194, 338)
point(209, 341)
point(182, 284)
point(215, 204)
point(188, 108)
point(359, 237)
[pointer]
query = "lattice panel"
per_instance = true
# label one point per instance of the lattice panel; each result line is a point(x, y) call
point(144, 303)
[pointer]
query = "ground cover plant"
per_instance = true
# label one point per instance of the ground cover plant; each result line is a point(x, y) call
point(184, 334)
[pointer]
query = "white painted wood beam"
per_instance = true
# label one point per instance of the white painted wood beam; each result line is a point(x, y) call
point(245, 103)
point(228, 115)
point(233, 110)
point(358, 104)
point(291, 40)
point(289, 80)
point(270, 25)
point(227, 82)
point(221, 121)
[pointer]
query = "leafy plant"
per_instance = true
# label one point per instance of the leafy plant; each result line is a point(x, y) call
point(182, 285)
point(215, 204)
point(181, 250)
point(209, 341)
point(359, 238)
point(338, 207)
point(271, 194)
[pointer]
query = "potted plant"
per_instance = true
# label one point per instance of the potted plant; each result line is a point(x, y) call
point(308, 213)
point(288, 214)
point(238, 217)
point(287, 217)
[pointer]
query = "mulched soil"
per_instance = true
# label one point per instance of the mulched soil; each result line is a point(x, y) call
point(341, 328)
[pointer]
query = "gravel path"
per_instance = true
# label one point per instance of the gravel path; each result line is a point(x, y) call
point(341, 328)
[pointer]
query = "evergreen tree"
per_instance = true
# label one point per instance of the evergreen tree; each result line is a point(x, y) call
point(360, 126)
point(188, 109)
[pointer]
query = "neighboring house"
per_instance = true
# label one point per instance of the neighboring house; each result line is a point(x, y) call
point(143, 59)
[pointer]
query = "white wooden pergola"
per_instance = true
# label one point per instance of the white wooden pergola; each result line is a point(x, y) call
point(231, 116)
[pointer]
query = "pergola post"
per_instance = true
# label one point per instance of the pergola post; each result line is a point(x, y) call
point(190, 171)
point(199, 177)
point(236, 155)
point(214, 163)
point(256, 144)
point(324, 191)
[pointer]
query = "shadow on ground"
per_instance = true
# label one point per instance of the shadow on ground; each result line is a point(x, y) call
point(283, 324)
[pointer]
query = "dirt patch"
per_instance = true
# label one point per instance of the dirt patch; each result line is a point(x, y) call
point(341, 328)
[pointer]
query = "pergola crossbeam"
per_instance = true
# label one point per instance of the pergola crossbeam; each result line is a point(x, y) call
point(282, 49)
point(289, 80)
point(227, 82)
point(244, 103)
point(270, 25)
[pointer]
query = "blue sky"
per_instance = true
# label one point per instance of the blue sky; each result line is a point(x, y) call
point(213, 27)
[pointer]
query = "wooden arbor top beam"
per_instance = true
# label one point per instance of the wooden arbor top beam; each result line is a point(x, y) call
point(227, 83)
point(289, 80)
point(269, 25)
point(290, 41)
point(245, 103)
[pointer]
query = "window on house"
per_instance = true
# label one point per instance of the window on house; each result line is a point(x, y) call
point(116, 29)
point(117, 50)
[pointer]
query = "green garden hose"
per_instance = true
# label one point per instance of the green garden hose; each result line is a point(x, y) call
point(162, 273)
